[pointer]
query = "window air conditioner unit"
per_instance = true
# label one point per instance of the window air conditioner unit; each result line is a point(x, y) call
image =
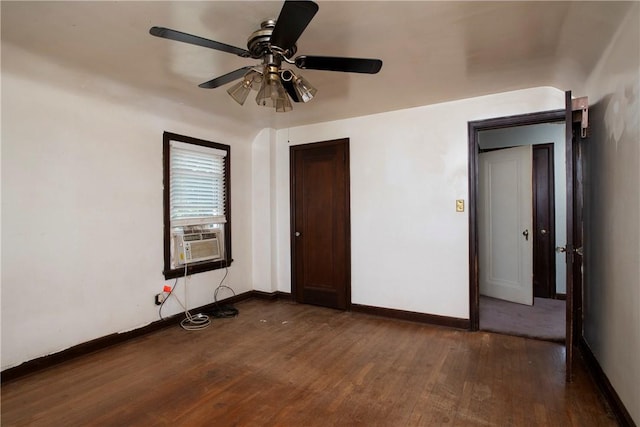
point(198, 246)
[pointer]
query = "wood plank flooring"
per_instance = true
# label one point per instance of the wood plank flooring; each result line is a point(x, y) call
point(285, 364)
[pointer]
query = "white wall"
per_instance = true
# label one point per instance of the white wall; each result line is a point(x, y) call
point(409, 246)
point(264, 279)
point(542, 133)
point(82, 207)
point(612, 214)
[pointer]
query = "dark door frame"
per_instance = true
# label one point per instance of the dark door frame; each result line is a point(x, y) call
point(544, 242)
point(473, 150)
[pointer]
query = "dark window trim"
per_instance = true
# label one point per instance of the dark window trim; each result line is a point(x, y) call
point(205, 265)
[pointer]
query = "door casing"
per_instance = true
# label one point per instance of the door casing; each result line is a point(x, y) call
point(473, 151)
point(573, 307)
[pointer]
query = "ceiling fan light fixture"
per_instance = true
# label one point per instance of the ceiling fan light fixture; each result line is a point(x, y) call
point(283, 104)
point(254, 78)
point(272, 93)
point(240, 91)
point(274, 43)
point(303, 88)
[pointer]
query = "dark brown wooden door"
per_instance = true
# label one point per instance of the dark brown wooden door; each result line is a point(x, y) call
point(572, 278)
point(320, 235)
point(544, 241)
point(578, 234)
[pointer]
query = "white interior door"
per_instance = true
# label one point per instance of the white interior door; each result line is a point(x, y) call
point(505, 234)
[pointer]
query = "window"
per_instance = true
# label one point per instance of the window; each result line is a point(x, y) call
point(197, 218)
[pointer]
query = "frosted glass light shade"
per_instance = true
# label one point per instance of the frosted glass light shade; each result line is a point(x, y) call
point(303, 88)
point(283, 104)
point(255, 78)
point(240, 91)
point(272, 93)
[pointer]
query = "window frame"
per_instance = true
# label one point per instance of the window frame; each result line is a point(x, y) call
point(198, 267)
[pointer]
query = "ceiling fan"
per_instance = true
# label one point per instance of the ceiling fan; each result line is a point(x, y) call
point(275, 43)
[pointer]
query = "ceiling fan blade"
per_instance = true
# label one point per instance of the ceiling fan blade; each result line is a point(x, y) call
point(224, 79)
point(168, 33)
point(294, 18)
point(334, 63)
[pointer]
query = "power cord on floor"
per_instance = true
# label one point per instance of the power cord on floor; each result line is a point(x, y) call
point(190, 322)
point(223, 311)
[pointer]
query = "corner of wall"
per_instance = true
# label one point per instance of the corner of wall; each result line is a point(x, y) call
point(264, 245)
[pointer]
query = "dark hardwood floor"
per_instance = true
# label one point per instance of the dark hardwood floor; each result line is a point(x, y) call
point(285, 364)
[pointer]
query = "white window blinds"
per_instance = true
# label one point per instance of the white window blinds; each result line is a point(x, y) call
point(197, 185)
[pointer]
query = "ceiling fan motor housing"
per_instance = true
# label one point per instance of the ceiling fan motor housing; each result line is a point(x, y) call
point(259, 44)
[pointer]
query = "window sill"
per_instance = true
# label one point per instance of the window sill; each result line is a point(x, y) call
point(198, 267)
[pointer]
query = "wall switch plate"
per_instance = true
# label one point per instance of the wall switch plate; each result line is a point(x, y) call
point(459, 205)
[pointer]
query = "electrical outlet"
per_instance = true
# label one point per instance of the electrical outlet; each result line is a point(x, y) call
point(160, 298)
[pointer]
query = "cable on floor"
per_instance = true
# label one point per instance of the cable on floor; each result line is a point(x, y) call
point(191, 322)
point(227, 310)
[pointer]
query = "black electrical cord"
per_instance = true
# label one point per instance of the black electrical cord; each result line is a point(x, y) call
point(189, 323)
point(218, 311)
point(223, 311)
point(166, 298)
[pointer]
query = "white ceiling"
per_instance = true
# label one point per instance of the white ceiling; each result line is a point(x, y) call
point(432, 51)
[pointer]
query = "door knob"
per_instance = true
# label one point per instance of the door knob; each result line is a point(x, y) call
point(297, 234)
point(561, 249)
point(543, 231)
point(579, 251)
point(525, 233)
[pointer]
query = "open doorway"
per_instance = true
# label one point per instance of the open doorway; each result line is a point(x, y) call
point(521, 279)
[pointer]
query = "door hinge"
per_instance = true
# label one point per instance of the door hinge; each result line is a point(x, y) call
point(580, 108)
